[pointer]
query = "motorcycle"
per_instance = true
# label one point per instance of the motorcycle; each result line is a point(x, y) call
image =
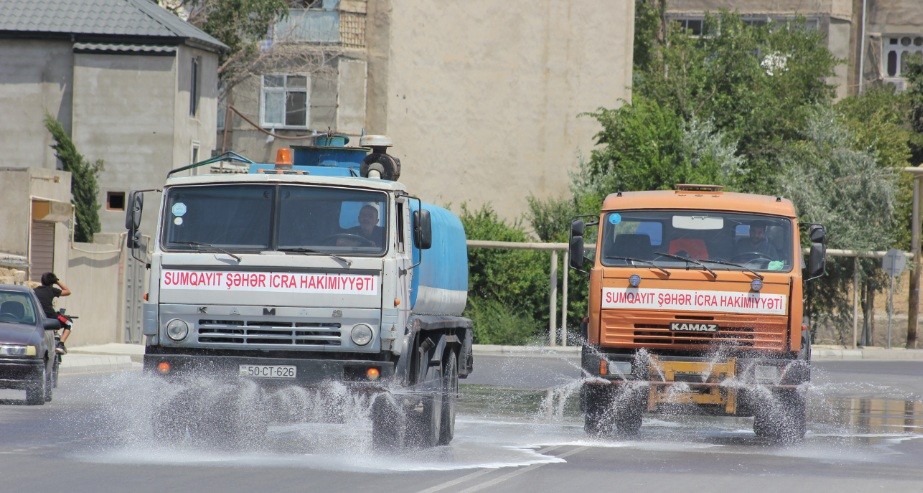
point(67, 322)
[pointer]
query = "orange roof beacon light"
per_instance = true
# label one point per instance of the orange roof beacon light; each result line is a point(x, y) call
point(284, 158)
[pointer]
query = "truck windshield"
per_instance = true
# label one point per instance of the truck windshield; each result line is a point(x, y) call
point(292, 218)
point(735, 241)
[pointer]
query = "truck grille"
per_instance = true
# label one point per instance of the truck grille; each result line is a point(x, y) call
point(652, 330)
point(272, 332)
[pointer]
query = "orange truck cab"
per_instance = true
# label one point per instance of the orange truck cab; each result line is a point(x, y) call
point(696, 299)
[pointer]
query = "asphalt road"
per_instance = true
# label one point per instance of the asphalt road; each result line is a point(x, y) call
point(518, 430)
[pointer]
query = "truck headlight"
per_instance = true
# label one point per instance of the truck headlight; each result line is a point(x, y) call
point(177, 329)
point(17, 350)
point(361, 334)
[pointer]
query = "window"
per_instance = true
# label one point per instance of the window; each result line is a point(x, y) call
point(115, 201)
point(194, 87)
point(284, 102)
point(720, 239)
point(692, 26)
point(298, 219)
point(898, 49)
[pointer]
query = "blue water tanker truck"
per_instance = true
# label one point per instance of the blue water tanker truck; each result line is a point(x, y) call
point(317, 268)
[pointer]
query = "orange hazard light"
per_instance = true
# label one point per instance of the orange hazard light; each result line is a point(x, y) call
point(284, 157)
point(163, 367)
point(372, 373)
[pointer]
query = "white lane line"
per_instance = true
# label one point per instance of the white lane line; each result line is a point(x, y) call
point(500, 479)
point(477, 474)
point(449, 484)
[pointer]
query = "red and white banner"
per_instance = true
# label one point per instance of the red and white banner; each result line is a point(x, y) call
point(695, 300)
point(277, 282)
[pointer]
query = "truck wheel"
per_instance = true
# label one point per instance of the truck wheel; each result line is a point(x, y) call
point(170, 420)
point(388, 423)
point(423, 427)
point(449, 397)
point(785, 421)
point(598, 412)
point(35, 394)
point(630, 409)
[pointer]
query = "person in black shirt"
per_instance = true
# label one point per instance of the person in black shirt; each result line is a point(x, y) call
point(46, 293)
point(368, 227)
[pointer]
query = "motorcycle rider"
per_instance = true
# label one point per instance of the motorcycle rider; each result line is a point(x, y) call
point(46, 293)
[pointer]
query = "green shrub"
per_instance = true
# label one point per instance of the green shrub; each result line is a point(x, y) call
point(496, 323)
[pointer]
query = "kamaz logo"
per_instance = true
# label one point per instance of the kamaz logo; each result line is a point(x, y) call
point(689, 327)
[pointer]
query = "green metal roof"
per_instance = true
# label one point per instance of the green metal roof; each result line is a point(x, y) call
point(95, 20)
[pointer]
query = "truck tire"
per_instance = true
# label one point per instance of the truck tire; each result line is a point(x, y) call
point(629, 407)
point(449, 397)
point(598, 418)
point(784, 420)
point(388, 423)
point(35, 393)
point(424, 423)
point(171, 420)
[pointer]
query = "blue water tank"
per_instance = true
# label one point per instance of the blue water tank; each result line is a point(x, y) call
point(329, 150)
point(440, 281)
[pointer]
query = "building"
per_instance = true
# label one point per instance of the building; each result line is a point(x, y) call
point(872, 37)
point(134, 86)
point(483, 99)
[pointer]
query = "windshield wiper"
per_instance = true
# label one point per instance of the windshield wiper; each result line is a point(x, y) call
point(648, 262)
point(739, 266)
point(208, 245)
point(308, 250)
point(687, 259)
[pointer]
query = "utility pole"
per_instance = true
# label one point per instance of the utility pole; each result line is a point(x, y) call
point(913, 303)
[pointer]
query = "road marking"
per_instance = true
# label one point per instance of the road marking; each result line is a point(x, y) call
point(497, 480)
point(513, 474)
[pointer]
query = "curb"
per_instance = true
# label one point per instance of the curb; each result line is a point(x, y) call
point(76, 364)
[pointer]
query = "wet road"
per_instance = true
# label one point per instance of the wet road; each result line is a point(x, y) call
point(518, 430)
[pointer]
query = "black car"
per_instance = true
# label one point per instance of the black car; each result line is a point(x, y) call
point(27, 356)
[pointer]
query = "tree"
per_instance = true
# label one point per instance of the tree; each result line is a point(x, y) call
point(847, 191)
point(507, 289)
point(240, 24)
point(755, 84)
point(647, 145)
point(84, 187)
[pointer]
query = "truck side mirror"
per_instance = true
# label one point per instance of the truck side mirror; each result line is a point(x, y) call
point(422, 229)
point(817, 257)
point(817, 233)
point(133, 219)
point(575, 245)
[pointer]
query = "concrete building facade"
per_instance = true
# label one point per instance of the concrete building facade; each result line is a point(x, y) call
point(483, 99)
point(871, 37)
point(132, 84)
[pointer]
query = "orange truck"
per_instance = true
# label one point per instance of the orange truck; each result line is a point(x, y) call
point(696, 299)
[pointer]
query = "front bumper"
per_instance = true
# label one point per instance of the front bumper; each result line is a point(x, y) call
point(307, 372)
point(721, 384)
point(20, 373)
